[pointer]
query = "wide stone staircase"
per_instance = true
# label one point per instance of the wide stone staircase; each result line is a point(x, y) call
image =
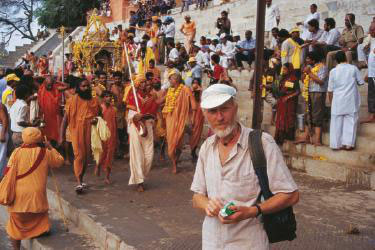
point(10, 60)
point(41, 47)
point(355, 168)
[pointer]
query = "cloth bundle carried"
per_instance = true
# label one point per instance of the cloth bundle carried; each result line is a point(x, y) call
point(99, 133)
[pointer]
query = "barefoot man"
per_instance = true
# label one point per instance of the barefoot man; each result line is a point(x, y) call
point(179, 104)
point(80, 112)
point(109, 146)
point(141, 146)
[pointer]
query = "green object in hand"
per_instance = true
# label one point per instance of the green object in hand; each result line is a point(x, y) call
point(225, 211)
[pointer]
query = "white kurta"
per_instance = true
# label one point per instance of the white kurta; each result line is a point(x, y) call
point(272, 14)
point(305, 29)
point(141, 151)
point(229, 51)
point(343, 83)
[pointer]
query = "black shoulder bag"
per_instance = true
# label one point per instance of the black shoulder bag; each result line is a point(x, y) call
point(279, 226)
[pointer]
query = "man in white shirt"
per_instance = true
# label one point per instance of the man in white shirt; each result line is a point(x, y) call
point(315, 33)
point(313, 15)
point(19, 114)
point(345, 103)
point(369, 45)
point(272, 20)
point(203, 57)
point(173, 52)
point(227, 52)
point(329, 41)
point(225, 173)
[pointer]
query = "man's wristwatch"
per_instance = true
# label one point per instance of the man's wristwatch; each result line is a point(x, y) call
point(259, 210)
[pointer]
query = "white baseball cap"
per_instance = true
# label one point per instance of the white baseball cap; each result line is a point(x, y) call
point(216, 95)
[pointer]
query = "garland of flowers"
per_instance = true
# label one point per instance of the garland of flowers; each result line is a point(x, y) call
point(170, 100)
point(306, 83)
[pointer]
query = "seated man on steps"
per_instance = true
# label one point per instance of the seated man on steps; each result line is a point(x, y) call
point(351, 36)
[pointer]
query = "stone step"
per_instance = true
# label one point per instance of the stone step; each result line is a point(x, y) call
point(354, 158)
point(87, 223)
point(58, 238)
point(365, 144)
point(351, 175)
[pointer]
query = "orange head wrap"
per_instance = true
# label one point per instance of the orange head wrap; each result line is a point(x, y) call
point(31, 135)
point(139, 79)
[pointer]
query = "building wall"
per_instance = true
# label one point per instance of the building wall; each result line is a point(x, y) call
point(120, 10)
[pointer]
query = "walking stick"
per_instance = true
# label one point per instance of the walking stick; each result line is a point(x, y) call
point(59, 200)
point(57, 191)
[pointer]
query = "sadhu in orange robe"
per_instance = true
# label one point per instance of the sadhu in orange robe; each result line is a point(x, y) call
point(80, 113)
point(49, 103)
point(198, 122)
point(29, 211)
point(177, 119)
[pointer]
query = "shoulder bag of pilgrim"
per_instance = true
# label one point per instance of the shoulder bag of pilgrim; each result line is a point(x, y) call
point(8, 183)
point(279, 226)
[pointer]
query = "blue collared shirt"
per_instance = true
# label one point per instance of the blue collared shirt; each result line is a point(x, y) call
point(247, 44)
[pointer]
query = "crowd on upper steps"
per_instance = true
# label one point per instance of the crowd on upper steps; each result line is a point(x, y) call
point(307, 54)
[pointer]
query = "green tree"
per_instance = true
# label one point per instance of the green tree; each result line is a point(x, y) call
point(68, 13)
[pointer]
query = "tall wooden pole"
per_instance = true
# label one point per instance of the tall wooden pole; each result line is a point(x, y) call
point(62, 30)
point(257, 115)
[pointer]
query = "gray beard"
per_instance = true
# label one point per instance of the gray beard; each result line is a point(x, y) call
point(222, 133)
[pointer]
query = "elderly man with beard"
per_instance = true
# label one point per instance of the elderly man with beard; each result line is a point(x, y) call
point(225, 173)
point(49, 100)
point(80, 112)
point(179, 108)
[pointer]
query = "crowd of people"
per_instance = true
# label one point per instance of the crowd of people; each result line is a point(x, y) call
point(91, 119)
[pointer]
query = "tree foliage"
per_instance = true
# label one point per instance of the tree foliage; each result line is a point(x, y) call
point(68, 13)
point(17, 16)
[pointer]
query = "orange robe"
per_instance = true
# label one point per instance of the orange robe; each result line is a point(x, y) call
point(198, 122)
point(29, 212)
point(109, 146)
point(49, 104)
point(176, 120)
point(80, 113)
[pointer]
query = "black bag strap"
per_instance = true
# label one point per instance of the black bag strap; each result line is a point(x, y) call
point(259, 161)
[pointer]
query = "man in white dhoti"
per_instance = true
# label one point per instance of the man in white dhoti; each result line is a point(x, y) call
point(227, 52)
point(345, 102)
point(225, 173)
point(313, 15)
point(141, 148)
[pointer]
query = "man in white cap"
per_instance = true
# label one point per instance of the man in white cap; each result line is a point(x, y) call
point(225, 173)
point(227, 52)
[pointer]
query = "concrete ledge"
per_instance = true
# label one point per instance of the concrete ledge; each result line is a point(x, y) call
point(351, 176)
point(85, 222)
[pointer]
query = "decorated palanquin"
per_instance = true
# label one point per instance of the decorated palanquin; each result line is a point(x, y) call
point(95, 40)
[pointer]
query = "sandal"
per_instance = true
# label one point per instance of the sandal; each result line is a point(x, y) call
point(84, 185)
point(79, 189)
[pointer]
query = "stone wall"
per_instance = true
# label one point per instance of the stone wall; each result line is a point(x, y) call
point(243, 14)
